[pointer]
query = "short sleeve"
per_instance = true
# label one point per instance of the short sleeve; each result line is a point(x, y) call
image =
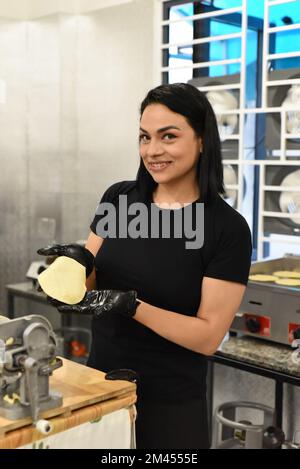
point(109, 196)
point(232, 258)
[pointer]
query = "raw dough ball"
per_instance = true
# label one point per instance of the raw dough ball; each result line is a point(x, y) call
point(64, 280)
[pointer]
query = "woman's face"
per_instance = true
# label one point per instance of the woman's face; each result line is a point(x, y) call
point(169, 146)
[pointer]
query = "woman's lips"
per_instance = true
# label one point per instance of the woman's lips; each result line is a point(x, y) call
point(159, 166)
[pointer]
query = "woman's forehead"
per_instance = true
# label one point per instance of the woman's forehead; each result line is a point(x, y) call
point(158, 116)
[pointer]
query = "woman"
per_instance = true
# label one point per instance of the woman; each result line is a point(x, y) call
point(187, 297)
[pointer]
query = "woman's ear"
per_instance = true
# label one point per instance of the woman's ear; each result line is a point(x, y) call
point(200, 144)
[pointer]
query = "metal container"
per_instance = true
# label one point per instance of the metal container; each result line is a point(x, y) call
point(228, 433)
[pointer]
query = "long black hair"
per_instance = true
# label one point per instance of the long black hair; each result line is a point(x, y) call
point(187, 100)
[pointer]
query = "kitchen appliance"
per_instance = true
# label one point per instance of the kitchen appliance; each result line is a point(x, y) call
point(35, 269)
point(231, 432)
point(27, 360)
point(256, 431)
point(270, 311)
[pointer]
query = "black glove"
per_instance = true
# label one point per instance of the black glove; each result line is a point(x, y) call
point(75, 251)
point(97, 302)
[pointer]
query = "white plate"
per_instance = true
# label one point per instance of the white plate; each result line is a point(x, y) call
point(289, 202)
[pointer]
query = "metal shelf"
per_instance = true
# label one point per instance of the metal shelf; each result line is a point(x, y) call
point(280, 214)
point(278, 240)
point(282, 156)
point(281, 188)
point(202, 16)
point(284, 136)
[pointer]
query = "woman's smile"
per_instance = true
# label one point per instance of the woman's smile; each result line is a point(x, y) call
point(159, 166)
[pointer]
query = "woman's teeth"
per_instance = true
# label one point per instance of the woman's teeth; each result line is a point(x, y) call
point(161, 165)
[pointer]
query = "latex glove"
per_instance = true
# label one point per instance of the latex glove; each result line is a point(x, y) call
point(97, 302)
point(75, 251)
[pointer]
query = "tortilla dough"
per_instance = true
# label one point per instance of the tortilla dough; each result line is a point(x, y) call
point(64, 280)
point(290, 282)
point(262, 278)
point(287, 274)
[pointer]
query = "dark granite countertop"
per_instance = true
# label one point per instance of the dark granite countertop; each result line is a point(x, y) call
point(261, 352)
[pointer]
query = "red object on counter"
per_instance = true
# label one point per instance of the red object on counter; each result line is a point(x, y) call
point(77, 349)
point(263, 324)
point(292, 329)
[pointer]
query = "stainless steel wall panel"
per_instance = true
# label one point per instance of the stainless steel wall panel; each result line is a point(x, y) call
point(43, 51)
point(70, 217)
point(14, 240)
point(77, 214)
point(45, 225)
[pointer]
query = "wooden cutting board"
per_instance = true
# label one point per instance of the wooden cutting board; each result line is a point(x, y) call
point(81, 387)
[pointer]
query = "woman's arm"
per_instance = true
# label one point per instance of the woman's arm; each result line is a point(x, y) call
point(220, 301)
point(93, 244)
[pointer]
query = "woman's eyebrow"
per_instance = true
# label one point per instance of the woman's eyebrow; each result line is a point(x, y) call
point(163, 129)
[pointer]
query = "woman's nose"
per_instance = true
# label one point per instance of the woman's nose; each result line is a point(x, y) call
point(154, 148)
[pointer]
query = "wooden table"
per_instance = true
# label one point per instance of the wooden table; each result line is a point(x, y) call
point(87, 398)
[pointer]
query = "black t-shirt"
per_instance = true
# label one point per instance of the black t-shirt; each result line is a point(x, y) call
point(167, 275)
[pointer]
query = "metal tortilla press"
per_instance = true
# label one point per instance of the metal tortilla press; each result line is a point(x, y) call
point(27, 359)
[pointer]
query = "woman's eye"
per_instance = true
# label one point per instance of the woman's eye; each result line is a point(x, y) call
point(142, 138)
point(169, 135)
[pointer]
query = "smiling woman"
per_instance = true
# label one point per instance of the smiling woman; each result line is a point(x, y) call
point(193, 143)
point(182, 299)
point(174, 158)
point(188, 297)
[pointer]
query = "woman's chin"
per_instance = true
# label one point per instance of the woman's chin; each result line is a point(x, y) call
point(161, 178)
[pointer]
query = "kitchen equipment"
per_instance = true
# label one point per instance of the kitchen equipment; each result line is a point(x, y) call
point(270, 311)
point(35, 269)
point(27, 360)
point(98, 412)
point(229, 433)
point(74, 343)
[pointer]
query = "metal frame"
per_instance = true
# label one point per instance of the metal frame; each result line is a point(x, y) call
point(240, 162)
point(279, 377)
point(284, 136)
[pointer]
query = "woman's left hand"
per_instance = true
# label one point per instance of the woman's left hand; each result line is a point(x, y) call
point(97, 302)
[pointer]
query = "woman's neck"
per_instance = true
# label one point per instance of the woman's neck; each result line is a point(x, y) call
point(182, 194)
